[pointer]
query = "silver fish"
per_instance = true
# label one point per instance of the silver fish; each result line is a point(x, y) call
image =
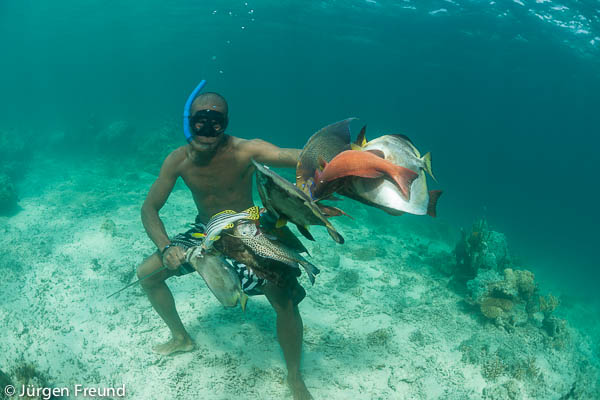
point(384, 194)
point(225, 220)
point(262, 246)
point(219, 276)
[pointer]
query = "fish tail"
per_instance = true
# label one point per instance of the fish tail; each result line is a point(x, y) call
point(434, 195)
point(404, 178)
point(427, 160)
point(311, 270)
point(243, 301)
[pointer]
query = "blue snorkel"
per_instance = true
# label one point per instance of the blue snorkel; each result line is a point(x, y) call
point(186, 111)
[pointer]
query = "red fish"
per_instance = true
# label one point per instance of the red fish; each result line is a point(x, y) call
point(366, 164)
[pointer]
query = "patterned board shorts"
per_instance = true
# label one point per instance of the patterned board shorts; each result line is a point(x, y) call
point(250, 282)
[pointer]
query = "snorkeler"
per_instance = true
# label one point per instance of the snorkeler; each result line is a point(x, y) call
point(217, 169)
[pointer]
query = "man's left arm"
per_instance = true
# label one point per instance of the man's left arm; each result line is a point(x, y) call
point(267, 153)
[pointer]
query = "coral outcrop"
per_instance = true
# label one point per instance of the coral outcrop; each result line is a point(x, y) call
point(504, 294)
point(507, 299)
point(482, 248)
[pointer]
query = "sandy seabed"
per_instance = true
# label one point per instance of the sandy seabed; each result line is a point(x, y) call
point(381, 321)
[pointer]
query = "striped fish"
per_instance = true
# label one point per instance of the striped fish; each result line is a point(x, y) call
point(226, 220)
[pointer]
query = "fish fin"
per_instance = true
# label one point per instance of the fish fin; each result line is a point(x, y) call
point(427, 160)
point(335, 235)
point(378, 153)
point(434, 195)
point(367, 174)
point(280, 222)
point(404, 178)
point(322, 163)
point(198, 235)
point(223, 212)
point(343, 213)
point(243, 301)
point(254, 212)
point(361, 139)
point(403, 137)
point(305, 232)
point(330, 211)
point(354, 146)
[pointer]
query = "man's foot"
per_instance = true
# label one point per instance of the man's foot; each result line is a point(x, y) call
point(298, 388)
point(175, 346)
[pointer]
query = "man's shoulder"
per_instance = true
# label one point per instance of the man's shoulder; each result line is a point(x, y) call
point(176, 158)
point(179, 154)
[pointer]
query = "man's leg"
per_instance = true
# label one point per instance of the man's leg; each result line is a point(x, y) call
point(289, 333)
point(162, 300)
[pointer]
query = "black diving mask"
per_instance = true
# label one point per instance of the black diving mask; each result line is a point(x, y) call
point(212, 122)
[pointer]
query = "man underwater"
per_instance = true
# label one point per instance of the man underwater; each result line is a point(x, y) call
point(216, 168)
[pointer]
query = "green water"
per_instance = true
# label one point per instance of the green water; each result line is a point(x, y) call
point(506, 97)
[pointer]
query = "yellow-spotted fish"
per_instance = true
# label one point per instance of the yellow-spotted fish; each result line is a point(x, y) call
point(261, 245)
point(225, 220)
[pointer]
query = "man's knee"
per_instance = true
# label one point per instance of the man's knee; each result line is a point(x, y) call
point(280, 299)
point(147, 267)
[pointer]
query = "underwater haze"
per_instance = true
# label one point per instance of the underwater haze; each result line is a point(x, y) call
point(504, 94)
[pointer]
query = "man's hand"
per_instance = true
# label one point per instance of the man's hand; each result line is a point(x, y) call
point(173, 257)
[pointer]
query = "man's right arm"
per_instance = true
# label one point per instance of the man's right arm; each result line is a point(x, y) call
point(156, 199)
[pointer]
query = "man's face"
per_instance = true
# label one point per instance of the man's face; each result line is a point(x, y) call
point(208, 124)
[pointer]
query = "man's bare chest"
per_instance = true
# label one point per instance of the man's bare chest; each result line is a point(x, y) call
point(221, 177)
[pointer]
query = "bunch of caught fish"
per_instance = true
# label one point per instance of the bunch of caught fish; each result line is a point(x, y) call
point(387, 172)
point(240, 236)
